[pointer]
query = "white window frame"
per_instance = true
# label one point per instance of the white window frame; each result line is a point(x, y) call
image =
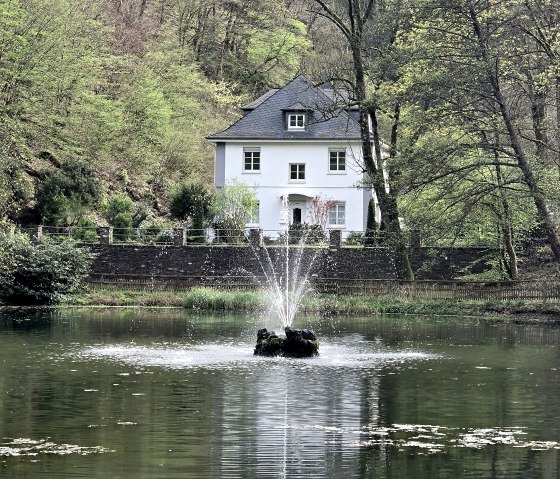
point(338, 152)
point(296, 117)
point(251, 152)
point(300, 171)
point(339, 210)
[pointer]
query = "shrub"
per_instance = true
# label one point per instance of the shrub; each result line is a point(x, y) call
point(86, 231)
point(63, 195)
point(124, 215)
point(233, 205)
point(42, 273)
point(191, 202)
point(355, 238)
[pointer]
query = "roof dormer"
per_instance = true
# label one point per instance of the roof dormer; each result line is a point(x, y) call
point(296, 117)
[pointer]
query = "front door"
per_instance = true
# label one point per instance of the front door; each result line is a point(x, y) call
point(296, 216)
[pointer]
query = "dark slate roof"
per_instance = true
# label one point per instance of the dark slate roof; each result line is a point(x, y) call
point(298, 106)
point(266, 119)
point(259, 100)
point(340, 97)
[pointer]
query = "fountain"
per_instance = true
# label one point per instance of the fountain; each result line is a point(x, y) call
point(298, 343)
point(285, 287)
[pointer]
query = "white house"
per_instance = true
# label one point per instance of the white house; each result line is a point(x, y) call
point(293, 143)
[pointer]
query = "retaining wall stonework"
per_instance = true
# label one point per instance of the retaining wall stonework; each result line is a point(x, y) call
point(350, 263)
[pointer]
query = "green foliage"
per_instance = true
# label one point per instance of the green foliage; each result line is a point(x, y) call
point(234, 203)
point(276, 53)
point(191, 203)
point(355, 238)
point(123, 214)
point(211, 299)
point(15, 187)
point(65, 194)
point(118, 210)
point(42, 273)
point(85, 230)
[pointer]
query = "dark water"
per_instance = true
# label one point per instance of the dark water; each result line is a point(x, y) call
point(156, 394)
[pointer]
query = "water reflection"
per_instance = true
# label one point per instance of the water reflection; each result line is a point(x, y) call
point(153, 394)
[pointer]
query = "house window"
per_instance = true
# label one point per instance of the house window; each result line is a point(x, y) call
point(297, 171)
point(296, 121)
point(252, 160)
point(337, 215)
point(337, 160)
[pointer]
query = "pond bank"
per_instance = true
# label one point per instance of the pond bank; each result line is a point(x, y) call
point(205, 299)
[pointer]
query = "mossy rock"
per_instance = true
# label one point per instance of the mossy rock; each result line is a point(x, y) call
point(297, 344)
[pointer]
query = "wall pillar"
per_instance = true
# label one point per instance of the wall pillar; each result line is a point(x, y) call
point(105, 234)
point(335, 239)
point(256, 237)
point(179, 236)
point(35, 233)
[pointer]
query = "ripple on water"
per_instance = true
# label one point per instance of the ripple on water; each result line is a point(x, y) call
point(229, 356)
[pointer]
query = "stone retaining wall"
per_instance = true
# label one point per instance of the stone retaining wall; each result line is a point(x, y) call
point(354, 263)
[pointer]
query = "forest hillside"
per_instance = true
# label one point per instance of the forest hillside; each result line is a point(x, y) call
point(107, 103)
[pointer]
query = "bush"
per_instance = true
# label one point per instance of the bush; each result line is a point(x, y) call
point(63, 195)
point(355, 238)
point(85, 231)
point(42, 273)
point(124, 216)
point(191, 202)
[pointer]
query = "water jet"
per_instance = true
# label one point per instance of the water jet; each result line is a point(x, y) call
point(286, 284)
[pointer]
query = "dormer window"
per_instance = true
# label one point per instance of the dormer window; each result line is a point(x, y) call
point(296, 121)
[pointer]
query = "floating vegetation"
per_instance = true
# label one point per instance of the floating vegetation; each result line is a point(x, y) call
point(34, 447)
point(427, 439)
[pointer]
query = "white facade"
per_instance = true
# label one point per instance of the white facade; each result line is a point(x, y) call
point(272, 180)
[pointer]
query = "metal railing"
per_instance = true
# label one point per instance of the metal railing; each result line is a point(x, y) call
point(301, 235)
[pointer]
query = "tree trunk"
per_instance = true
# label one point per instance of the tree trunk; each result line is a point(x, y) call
point(557, 152)
point(506, 225)
point(374, 169)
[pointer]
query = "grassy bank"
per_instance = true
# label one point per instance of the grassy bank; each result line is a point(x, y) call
point(205, 299)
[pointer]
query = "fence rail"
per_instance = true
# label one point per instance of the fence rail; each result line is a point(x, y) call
point(310, 236)
point(424, 289)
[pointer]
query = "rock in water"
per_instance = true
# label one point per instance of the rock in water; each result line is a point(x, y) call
point(298, 343)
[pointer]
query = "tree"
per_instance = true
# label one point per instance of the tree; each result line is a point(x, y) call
point(320, 209)
point(353, 18)
point(191, 203)
point(471, 71)
point(483, 34)
point(233, 205)
point(121, 213)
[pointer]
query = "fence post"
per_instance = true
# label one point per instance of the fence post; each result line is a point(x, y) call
point(179, 236)
point(35, 233)
point(335, 239)
point(256, 237)
point(106, 235)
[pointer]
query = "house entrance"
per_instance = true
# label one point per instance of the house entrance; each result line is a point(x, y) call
point(298, 208)
point(296, 216)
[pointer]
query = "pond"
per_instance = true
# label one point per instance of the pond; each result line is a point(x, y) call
point(168, 394)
